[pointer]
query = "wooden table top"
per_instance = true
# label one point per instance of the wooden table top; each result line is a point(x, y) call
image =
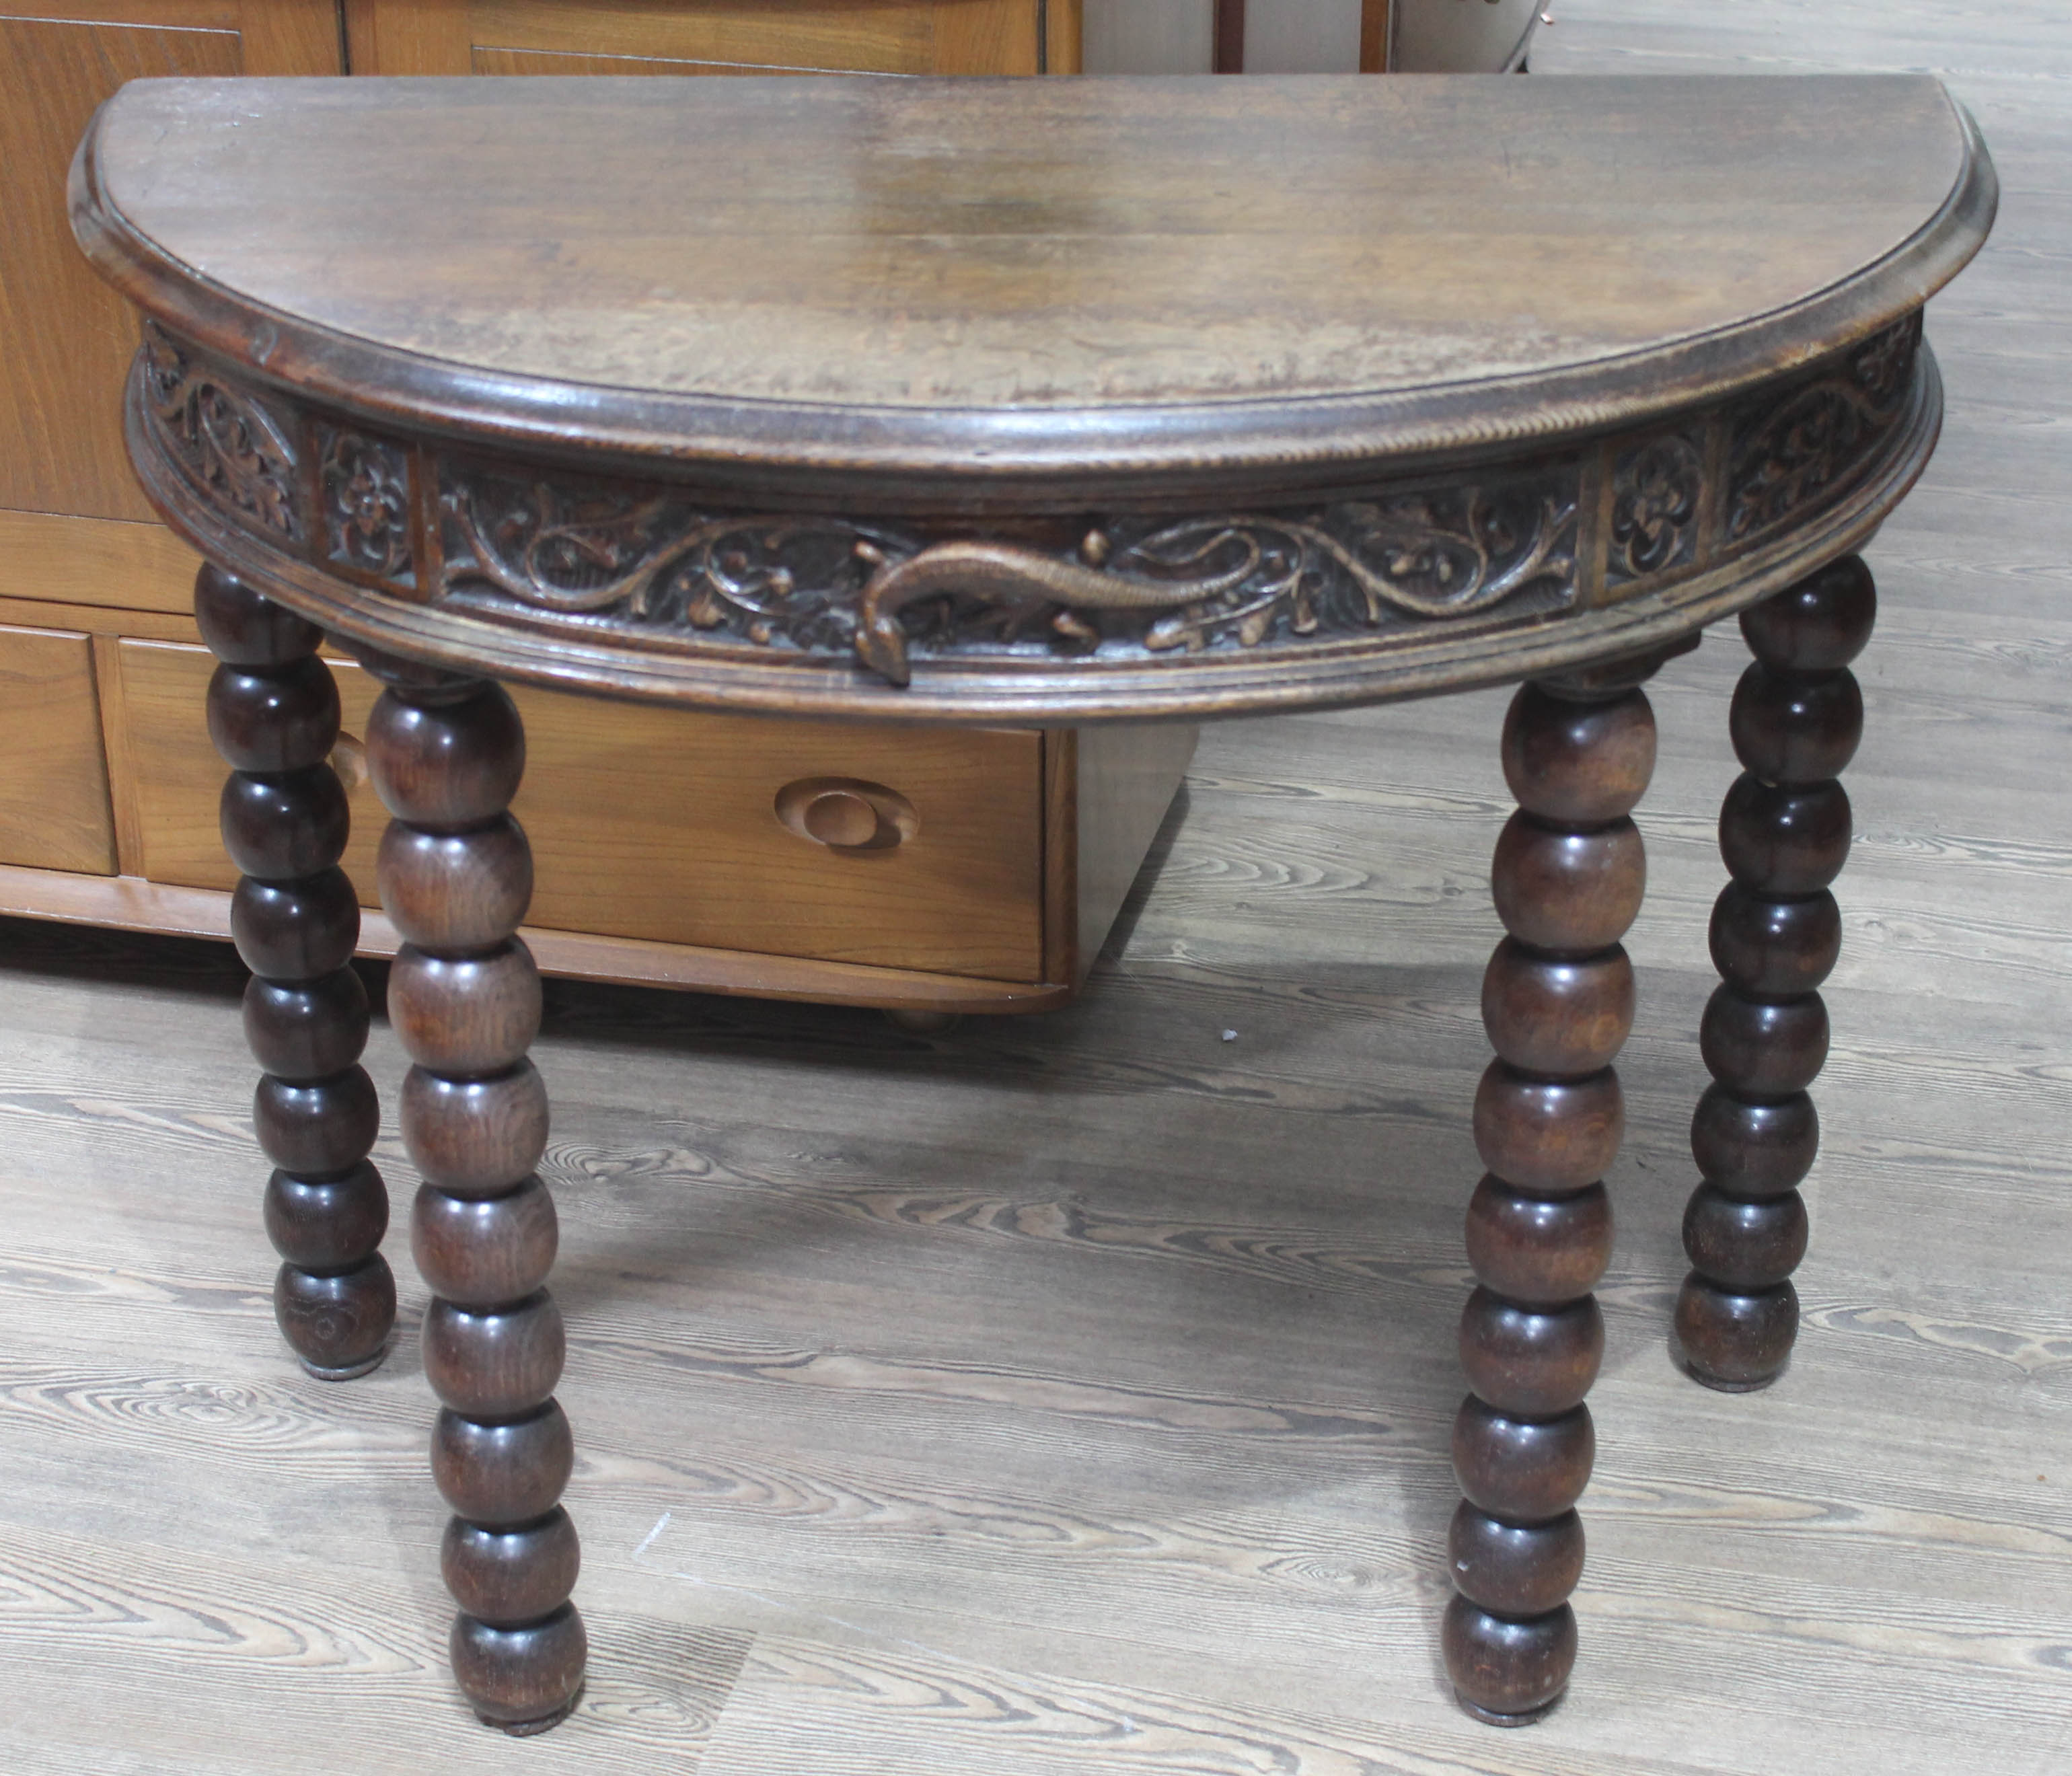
point(925, 306)
point(917, 270)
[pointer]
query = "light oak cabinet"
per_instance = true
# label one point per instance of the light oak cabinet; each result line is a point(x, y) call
point(711, 36)
point(890, 866)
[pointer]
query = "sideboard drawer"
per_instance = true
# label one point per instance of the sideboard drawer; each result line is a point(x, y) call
point(54, 808)
point(662, 825)
point(701, 36)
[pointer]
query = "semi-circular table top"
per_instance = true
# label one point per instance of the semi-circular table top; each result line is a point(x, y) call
point(1013, 401)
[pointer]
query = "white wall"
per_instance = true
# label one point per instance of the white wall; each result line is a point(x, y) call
point(1433, 36)
point(1302, 36)
point(1150, 36)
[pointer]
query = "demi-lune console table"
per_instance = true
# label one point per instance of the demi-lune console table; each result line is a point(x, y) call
point(1006, 403)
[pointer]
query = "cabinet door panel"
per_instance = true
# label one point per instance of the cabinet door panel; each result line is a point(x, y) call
point(54, 810)
point(69, 336)
point(654, 823)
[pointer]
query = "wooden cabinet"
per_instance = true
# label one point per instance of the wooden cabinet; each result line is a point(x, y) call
point(69, 337)
point(914, 867)
point(966, 871)
point(647, 822)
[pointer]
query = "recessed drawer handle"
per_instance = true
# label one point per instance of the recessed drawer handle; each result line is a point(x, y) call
point(847, 814)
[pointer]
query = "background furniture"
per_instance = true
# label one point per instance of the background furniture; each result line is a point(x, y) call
point(998, 899)
point(1295, 485)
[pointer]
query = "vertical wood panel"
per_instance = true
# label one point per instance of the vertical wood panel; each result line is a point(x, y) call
point(408, 36)
point(1064, 23)
point(69, 337)
point(54, 811)
point(1376, 17)
point(986, 37)
point(290, 36)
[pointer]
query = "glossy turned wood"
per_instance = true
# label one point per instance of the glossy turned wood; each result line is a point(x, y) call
point(1776, 932)
point(1558, 1002)
point(273, 712)
point(447, 756)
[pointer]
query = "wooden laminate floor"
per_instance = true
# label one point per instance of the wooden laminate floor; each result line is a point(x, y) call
point(1071, 1394)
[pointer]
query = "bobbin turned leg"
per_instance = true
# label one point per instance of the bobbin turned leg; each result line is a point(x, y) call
point(1784, 832)
point(456, 875)
point(273, 711)
point(1558, 1001)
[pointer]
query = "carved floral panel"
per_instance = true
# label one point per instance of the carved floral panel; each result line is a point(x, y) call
point(1799, 449)
point(364, 486)
point(1658, 485)
point(237, 450)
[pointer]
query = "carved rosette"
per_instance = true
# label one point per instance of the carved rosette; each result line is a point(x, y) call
point(364, 486)
point(228, 440)
point(1657, 488)
point(1806, 448)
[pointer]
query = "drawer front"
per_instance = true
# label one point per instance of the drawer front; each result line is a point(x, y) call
point(695, 36)
point(654, 823)
point(54, 809)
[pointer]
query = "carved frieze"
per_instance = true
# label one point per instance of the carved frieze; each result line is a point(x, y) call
point(493, 536)
point(885, 593)
point(1796, 450)
point(364, 486)
point(238, 451)
point(1657, 486)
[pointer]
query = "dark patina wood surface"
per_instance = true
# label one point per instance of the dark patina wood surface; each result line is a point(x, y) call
point(1033, 402)
point(805, 397)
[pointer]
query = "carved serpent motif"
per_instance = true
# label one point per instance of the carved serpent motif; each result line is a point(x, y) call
point(828, 584)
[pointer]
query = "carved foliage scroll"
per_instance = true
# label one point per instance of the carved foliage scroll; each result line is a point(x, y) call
point(884, 593)
point(230, 442)
point(1790, 454)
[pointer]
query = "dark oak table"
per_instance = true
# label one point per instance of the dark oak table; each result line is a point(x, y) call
point(1050, 402)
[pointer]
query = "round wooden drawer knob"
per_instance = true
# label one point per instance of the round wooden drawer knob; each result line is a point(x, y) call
point(847, 814)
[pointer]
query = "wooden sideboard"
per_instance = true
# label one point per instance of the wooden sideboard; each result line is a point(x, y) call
point(912, 870)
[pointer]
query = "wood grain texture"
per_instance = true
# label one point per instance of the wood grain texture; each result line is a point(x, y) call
point(1303, 536)
point(60, 437)
point(54, 806)
point(1193, 1520)
point(651, 825)
point(946, 278)
point(130, 903)
point(51, 557)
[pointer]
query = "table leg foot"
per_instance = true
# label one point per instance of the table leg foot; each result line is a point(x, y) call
point(272, 712)
point(447, 755)
point(1776, 934)
point(1558, 1002)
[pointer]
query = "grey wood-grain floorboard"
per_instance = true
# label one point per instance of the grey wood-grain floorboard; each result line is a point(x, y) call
point(1072, 1395)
